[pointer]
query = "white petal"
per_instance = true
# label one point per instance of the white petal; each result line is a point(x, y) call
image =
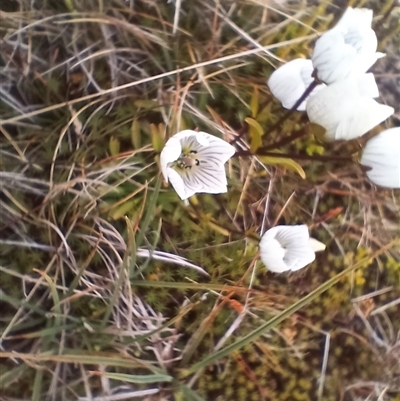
point(316, 245)
point(182, 189)
point(271, 254)
point(216, 147)
point(210, 181)
point(204, 139)
point(342, 110)
point(170, 153)
point(288, 235)
point(366, 85)
point(348, 49)
point(364, 62)
point(367, 114)
point(332, 57)
point(288, 82)
point(382, 154)
point(298, 257)
point(361, 17)
point(185, 134)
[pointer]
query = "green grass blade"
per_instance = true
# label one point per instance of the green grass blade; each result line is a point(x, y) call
point(138, 379)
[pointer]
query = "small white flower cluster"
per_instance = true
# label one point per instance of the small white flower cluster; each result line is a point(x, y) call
point(344, 103)
point(193, 162)
point(340, 60)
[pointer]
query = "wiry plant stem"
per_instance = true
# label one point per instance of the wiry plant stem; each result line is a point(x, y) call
point(288, 113)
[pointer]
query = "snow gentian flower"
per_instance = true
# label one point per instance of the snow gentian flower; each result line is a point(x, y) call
point(348, 49)
point(288, 82)
point(382, 154)
point(346, 108)
point(288, 248)
point(194, 162)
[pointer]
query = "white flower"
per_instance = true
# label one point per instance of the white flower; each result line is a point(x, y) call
point(284, 248)
point(348, 49)
point(382, 154)
point(346, 108)
point(289, 82)
point(194, 162)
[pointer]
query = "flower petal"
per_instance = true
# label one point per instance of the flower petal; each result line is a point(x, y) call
point(298, 257)
point(288, 82)
point(211, 181)
point(216, 148)
point(345, 108)
point(361, 17)
point(170, 153)
point(187, 133)
point(366, 85)
point(382, 154)
point(289, 235)
point(348, 49)
point(316, 245)
point(332, 57)
point(181, 187)
point(368, 114)
point(272, 254)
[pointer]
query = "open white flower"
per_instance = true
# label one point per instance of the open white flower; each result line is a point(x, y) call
point(346, 108)
point(348, 49)
point(288, 248)
point(288, 82)
point(382, 154)
point(194, 162)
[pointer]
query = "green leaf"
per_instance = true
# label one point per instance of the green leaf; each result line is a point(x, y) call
point(140, 379)
point(157, 137)
point(254, 104)
point(255, 132)
point(123, 209)
point(86, 359)
point(114, 146)
point(265, 114)
point(285, 162)
point(136, 137)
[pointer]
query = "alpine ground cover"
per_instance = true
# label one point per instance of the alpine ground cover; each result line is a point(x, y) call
point(112, 287)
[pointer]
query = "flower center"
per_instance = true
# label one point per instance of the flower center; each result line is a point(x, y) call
point(187, 160)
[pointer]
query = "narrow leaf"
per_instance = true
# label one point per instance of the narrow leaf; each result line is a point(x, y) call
point(255, 132)
point(285, 162)
point(114, 146)
point(254, 104)
point(136, 137)
point(140, 379)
